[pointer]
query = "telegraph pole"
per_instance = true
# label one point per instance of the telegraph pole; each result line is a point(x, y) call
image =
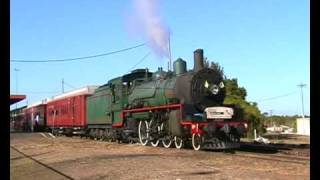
point(62, 84)
point(169, 53)
point(302, 86)
point(270, 114)
point(16, 113)
point(16, 70)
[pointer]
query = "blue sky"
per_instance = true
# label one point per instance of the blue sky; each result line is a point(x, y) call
point(264, 44)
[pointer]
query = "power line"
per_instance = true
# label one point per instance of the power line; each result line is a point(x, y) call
point(65, 83)
point(69, 85)
point(44, 92)
point(77, 58)
point(62, 85)
point(140, 61)
point(276, 97)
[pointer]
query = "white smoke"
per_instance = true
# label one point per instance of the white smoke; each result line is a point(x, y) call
point(147, 22)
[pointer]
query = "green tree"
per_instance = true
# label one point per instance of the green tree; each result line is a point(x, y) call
point(236, 97)
point(233, 90)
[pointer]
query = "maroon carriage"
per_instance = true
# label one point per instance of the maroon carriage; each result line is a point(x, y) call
point(66, 113)
point(35, 116)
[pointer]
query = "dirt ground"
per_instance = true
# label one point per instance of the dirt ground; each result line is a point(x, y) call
point(288, 138)
point(39, 156)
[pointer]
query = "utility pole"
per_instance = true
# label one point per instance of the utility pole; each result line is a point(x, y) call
point(169, 53)
point(16, 70)
point(270, 114)
point(16, 112)
point(302, 86)
point(62, 83)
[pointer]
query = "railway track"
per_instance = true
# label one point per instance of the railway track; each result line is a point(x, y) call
point(280, 158)
point(273, 152)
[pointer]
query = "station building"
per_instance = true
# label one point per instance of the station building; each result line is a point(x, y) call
point(303, 126)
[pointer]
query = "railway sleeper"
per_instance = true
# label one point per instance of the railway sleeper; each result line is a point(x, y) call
point(219, 145)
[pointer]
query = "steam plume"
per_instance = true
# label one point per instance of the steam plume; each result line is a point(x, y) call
point(147, 22)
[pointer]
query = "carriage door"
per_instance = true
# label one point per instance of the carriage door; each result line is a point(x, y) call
point(73, 111)
point(113, 102)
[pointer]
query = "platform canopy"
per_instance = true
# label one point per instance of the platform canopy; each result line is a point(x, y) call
point(16, 98)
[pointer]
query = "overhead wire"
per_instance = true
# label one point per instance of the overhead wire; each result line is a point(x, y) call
point(66, 83)
point(140, 61)
point(41, 92)
point(276, 97)
point(69, 85)
point(77, 58)
point(80, 58)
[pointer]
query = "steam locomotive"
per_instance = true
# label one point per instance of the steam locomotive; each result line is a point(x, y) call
point(177, 107)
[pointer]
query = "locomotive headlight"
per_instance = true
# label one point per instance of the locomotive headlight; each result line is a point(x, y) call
point(206, 84)
point(246, 125)
point(221, 85)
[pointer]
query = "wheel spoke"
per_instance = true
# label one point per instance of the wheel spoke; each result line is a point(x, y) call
point(143, 132)
point(178, 142)
point(167, 141)
point(154, 142)
point(196, 141)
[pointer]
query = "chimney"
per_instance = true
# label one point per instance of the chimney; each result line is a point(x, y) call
point(198, 60)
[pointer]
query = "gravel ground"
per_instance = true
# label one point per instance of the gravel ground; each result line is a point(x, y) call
point(33, 156)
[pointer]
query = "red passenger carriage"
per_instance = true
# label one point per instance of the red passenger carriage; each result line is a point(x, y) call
point(35, 116)
point(66, 113)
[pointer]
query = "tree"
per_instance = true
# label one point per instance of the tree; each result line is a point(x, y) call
point(236, 97)
point(214, 66)
point(290, 121)
point(218, 68)
point(233, 89)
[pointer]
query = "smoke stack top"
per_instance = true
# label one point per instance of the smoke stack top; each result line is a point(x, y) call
point(198, 60)
point(147, 22)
